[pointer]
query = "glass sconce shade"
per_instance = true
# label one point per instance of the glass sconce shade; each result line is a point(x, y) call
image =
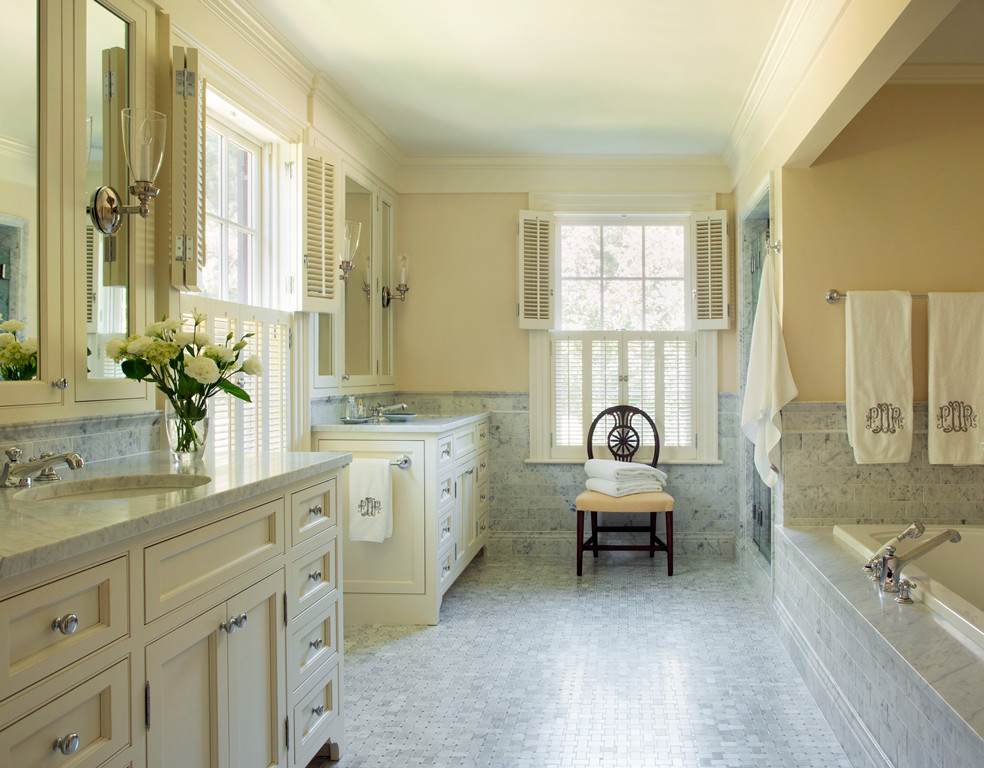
point(144, 132)
point(353, 230)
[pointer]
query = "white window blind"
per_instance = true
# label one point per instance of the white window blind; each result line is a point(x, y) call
point(651, 371)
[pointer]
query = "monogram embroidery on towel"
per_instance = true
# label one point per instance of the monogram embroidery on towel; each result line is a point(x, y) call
point(885, 418)
point(956, 416)
point(369, 507)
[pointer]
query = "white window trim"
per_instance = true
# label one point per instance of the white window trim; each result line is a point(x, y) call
point(542, 406)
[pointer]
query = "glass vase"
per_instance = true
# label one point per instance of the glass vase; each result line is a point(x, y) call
point(185, 436)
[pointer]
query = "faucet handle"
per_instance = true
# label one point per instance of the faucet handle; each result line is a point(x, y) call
point(904, 586)
point(14, 454)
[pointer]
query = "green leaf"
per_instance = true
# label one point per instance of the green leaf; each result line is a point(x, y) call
point(227, 386)
point(135, 369)
point(187, 386)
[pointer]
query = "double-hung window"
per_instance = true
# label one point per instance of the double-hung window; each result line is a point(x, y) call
point(239, 277)
point(623, 329)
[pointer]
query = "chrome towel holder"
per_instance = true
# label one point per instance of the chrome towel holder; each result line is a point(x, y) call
point(833, 296)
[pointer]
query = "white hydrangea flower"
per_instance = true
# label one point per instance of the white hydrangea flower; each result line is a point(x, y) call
point(252, 366)
point(184, 338)
point(154, 329)
point(30, 346)
point(11, 326)
point(6, 339)
point(220, 353)
point(137, 345)
point(202, 369)
point(116, 348)
point(170, 324)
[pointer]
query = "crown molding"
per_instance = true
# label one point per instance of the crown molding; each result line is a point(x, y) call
point(697, 163)
point(939, 74)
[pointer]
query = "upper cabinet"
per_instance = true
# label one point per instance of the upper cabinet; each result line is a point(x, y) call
point(78, 64)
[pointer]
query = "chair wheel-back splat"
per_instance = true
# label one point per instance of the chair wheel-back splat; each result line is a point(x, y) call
point(624, 439)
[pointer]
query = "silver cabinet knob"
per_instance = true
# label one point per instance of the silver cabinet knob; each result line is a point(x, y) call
point(241, 620)
point(446, 569)
point(317, 644)
point(60, 384)
point(446, 452)
point(318, 710)
point(234, 623)
point(481, 436)
point(316, 576)
point(483, 497)
point(317, 510)
point(67, 745)
point(67, 624)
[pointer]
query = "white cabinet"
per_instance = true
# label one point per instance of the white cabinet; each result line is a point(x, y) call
point(440, 522)
point(214, 642)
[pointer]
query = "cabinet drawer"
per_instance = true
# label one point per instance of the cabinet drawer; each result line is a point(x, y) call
point(312, 511)
point(312, 577)
point(97, 713)
point(312, 643)
point(445, 489)
point(91, 609)
point(483, 529)
point(445, 452)
point(314, 716)
point(445, 527)
point(482, 468)
point(482, 435)
point(194, 563)
point(482, 500)
point(445, 567)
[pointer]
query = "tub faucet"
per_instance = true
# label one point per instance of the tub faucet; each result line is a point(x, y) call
point(14, 474)
point(892, 565)
point(391, 408)
point(873, 566)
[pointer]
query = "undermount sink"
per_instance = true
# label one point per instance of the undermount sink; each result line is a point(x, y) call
point(117, 487)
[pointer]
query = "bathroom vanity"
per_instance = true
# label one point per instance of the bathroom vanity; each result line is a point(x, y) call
point(196, 627)
point(440, 514)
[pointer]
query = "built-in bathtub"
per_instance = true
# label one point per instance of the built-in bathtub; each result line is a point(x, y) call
point(947, 579)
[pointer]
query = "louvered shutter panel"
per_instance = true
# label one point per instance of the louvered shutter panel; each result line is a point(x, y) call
point(91, 276)
point(321, 291)
point(679, 388)
point(186, 151)
point(536, 288)
point(710, 238)
point(568, 391)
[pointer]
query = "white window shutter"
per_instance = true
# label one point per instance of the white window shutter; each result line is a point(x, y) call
point(536, 270)
point(91, 276)
point(710, 243)
point(186, 157)
point(320, 237)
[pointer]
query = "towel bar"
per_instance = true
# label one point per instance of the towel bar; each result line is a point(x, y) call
point(403, 462)
point(833, 296)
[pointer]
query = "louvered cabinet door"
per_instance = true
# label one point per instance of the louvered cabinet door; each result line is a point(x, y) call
point(710, 238)
point(320, 231)
point(536, 270)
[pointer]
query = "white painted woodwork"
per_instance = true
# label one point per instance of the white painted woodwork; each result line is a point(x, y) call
point(312, 511)
point(312, 577)
point(32, 649)
point(711, 273)
point(535, 243)
point(321, 235)
point(196, 562)
point(437, 526)
point(314, 715)
point(98, 710)
point(312, 642)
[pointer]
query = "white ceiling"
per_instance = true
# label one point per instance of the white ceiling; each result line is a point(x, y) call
point(586, 77)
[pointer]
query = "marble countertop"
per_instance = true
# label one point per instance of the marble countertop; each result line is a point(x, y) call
point(421, 424)
point(36, 533)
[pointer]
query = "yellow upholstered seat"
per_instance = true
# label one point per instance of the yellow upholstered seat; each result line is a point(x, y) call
point(592, 501)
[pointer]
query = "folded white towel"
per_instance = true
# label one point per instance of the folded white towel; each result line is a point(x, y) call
point(956, 378)
point(370, 500)
point(622, 488)
point(879, 376)
point(608, 469)
point(769, 383)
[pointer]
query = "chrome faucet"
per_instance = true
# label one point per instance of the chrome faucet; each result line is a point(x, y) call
point(892, 565)
point(15, 473)
point(874, 564)
point(391, 408)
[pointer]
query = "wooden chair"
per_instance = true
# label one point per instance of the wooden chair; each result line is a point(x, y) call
point(624, 440)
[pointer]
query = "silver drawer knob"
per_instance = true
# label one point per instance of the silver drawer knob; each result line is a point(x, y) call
point(234, 623)
point(316, 576)
point(446, 452)
point(67, 745)
point(483, 497)
point(481, 436)
point(317, 510)
point(67, 624)
point(447, 568)
point(317, 644)
point(318, 710)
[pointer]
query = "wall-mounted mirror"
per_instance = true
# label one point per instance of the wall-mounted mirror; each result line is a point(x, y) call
point(386, 278)
point(359, 286)
point(19, 173)
point(107, 259)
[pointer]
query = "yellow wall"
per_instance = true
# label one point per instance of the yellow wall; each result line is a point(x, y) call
point(895, 202)
point(457, 330)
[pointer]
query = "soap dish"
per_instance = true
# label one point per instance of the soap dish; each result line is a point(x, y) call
point(361, 420)
point(399, 416)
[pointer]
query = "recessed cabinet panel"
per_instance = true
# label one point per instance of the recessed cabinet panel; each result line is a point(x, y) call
point(312, 577)
point(313, 718)
point(312, 643)
point(312, 511)
point(80, 729)
point(189, 565)
point(48, 628)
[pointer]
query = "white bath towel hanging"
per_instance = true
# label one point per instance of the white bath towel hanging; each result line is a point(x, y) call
point(769, 384)
point(879, 376)
point(370, 500)
point(956, 378)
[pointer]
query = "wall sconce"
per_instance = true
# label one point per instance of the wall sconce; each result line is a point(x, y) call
point(143, 146)
point(402, 287)
point(353, 229)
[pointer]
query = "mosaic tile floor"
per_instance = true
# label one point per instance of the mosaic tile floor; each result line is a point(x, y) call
point(625, 668)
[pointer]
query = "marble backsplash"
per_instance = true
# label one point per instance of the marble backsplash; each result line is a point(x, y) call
point(95, 439)
point(822, 485)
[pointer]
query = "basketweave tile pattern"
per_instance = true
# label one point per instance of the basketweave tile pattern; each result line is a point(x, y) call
point(623, 668)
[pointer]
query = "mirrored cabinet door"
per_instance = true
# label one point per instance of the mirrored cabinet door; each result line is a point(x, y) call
point(387, 280)
point(359, 364)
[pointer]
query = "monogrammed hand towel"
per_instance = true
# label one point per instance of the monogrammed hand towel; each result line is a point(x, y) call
point(956, 378)
point(879, 376)
point(370, 500)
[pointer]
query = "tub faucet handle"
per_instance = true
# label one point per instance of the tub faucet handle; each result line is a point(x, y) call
point(904, 586)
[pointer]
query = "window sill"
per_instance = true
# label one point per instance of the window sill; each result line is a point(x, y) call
point(661, 462)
